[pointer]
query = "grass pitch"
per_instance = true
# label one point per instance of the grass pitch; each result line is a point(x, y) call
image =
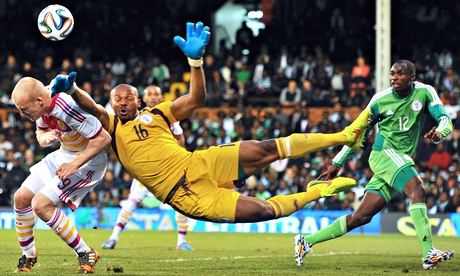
point(154, 253)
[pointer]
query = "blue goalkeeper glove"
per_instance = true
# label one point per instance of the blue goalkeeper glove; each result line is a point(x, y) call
point(196, 40)
point(63, 83)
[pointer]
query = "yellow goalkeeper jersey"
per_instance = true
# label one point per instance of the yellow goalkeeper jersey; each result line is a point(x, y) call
point(148, 150)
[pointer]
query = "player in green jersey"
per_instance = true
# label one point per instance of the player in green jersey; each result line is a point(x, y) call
point(399, 113)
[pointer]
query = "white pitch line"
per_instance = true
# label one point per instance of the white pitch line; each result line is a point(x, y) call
point(250, 257)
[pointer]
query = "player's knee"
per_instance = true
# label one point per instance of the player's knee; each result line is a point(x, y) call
point(257, 149)
point(267, 147)
point(21, 199)
point(135, 201)
point(418, 191)
point(40, 207)
point(18, 198)
point(266, 211)
point(419, 194)
point(36, 206)
point(261, 211)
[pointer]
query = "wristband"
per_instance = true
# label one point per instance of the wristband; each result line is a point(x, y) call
point(71, 89)
point(195, 62)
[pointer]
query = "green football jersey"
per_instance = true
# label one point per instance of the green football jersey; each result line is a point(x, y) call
point(400, 120)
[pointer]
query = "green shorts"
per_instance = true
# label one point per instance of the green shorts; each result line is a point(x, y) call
point(392, 170)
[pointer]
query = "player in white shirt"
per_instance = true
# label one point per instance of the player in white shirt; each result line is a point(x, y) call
point(66, 174)
point(152, 96)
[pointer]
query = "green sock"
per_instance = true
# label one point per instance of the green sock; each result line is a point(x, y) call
point(336, 229)
point(420, 220)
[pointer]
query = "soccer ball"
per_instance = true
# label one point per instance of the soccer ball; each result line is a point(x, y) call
point(55, 22)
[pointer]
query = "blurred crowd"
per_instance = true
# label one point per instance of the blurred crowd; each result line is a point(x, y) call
point(249, 83)
point(307, 80)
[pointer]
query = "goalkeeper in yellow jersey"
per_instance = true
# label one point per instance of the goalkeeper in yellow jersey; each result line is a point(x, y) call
point(196, 183)
point(152, 96)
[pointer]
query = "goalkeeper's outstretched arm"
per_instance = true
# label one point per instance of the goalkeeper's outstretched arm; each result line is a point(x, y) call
point(193, 47)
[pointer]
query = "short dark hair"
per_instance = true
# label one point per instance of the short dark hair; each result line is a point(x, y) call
point(407, 65)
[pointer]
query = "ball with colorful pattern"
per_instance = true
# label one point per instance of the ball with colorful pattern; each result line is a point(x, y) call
point(55, 22)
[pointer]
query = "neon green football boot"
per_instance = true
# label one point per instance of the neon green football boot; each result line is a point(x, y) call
point(356, 131)
point(334, 186)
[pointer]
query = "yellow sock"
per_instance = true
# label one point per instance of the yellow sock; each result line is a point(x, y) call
point(299, 144)
point(284, 205)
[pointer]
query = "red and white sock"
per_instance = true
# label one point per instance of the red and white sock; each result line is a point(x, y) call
point(126, 213)
point(65, 229)
point(25, 222)
point(182, 227)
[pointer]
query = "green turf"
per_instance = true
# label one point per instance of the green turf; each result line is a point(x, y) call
point(154, 253)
